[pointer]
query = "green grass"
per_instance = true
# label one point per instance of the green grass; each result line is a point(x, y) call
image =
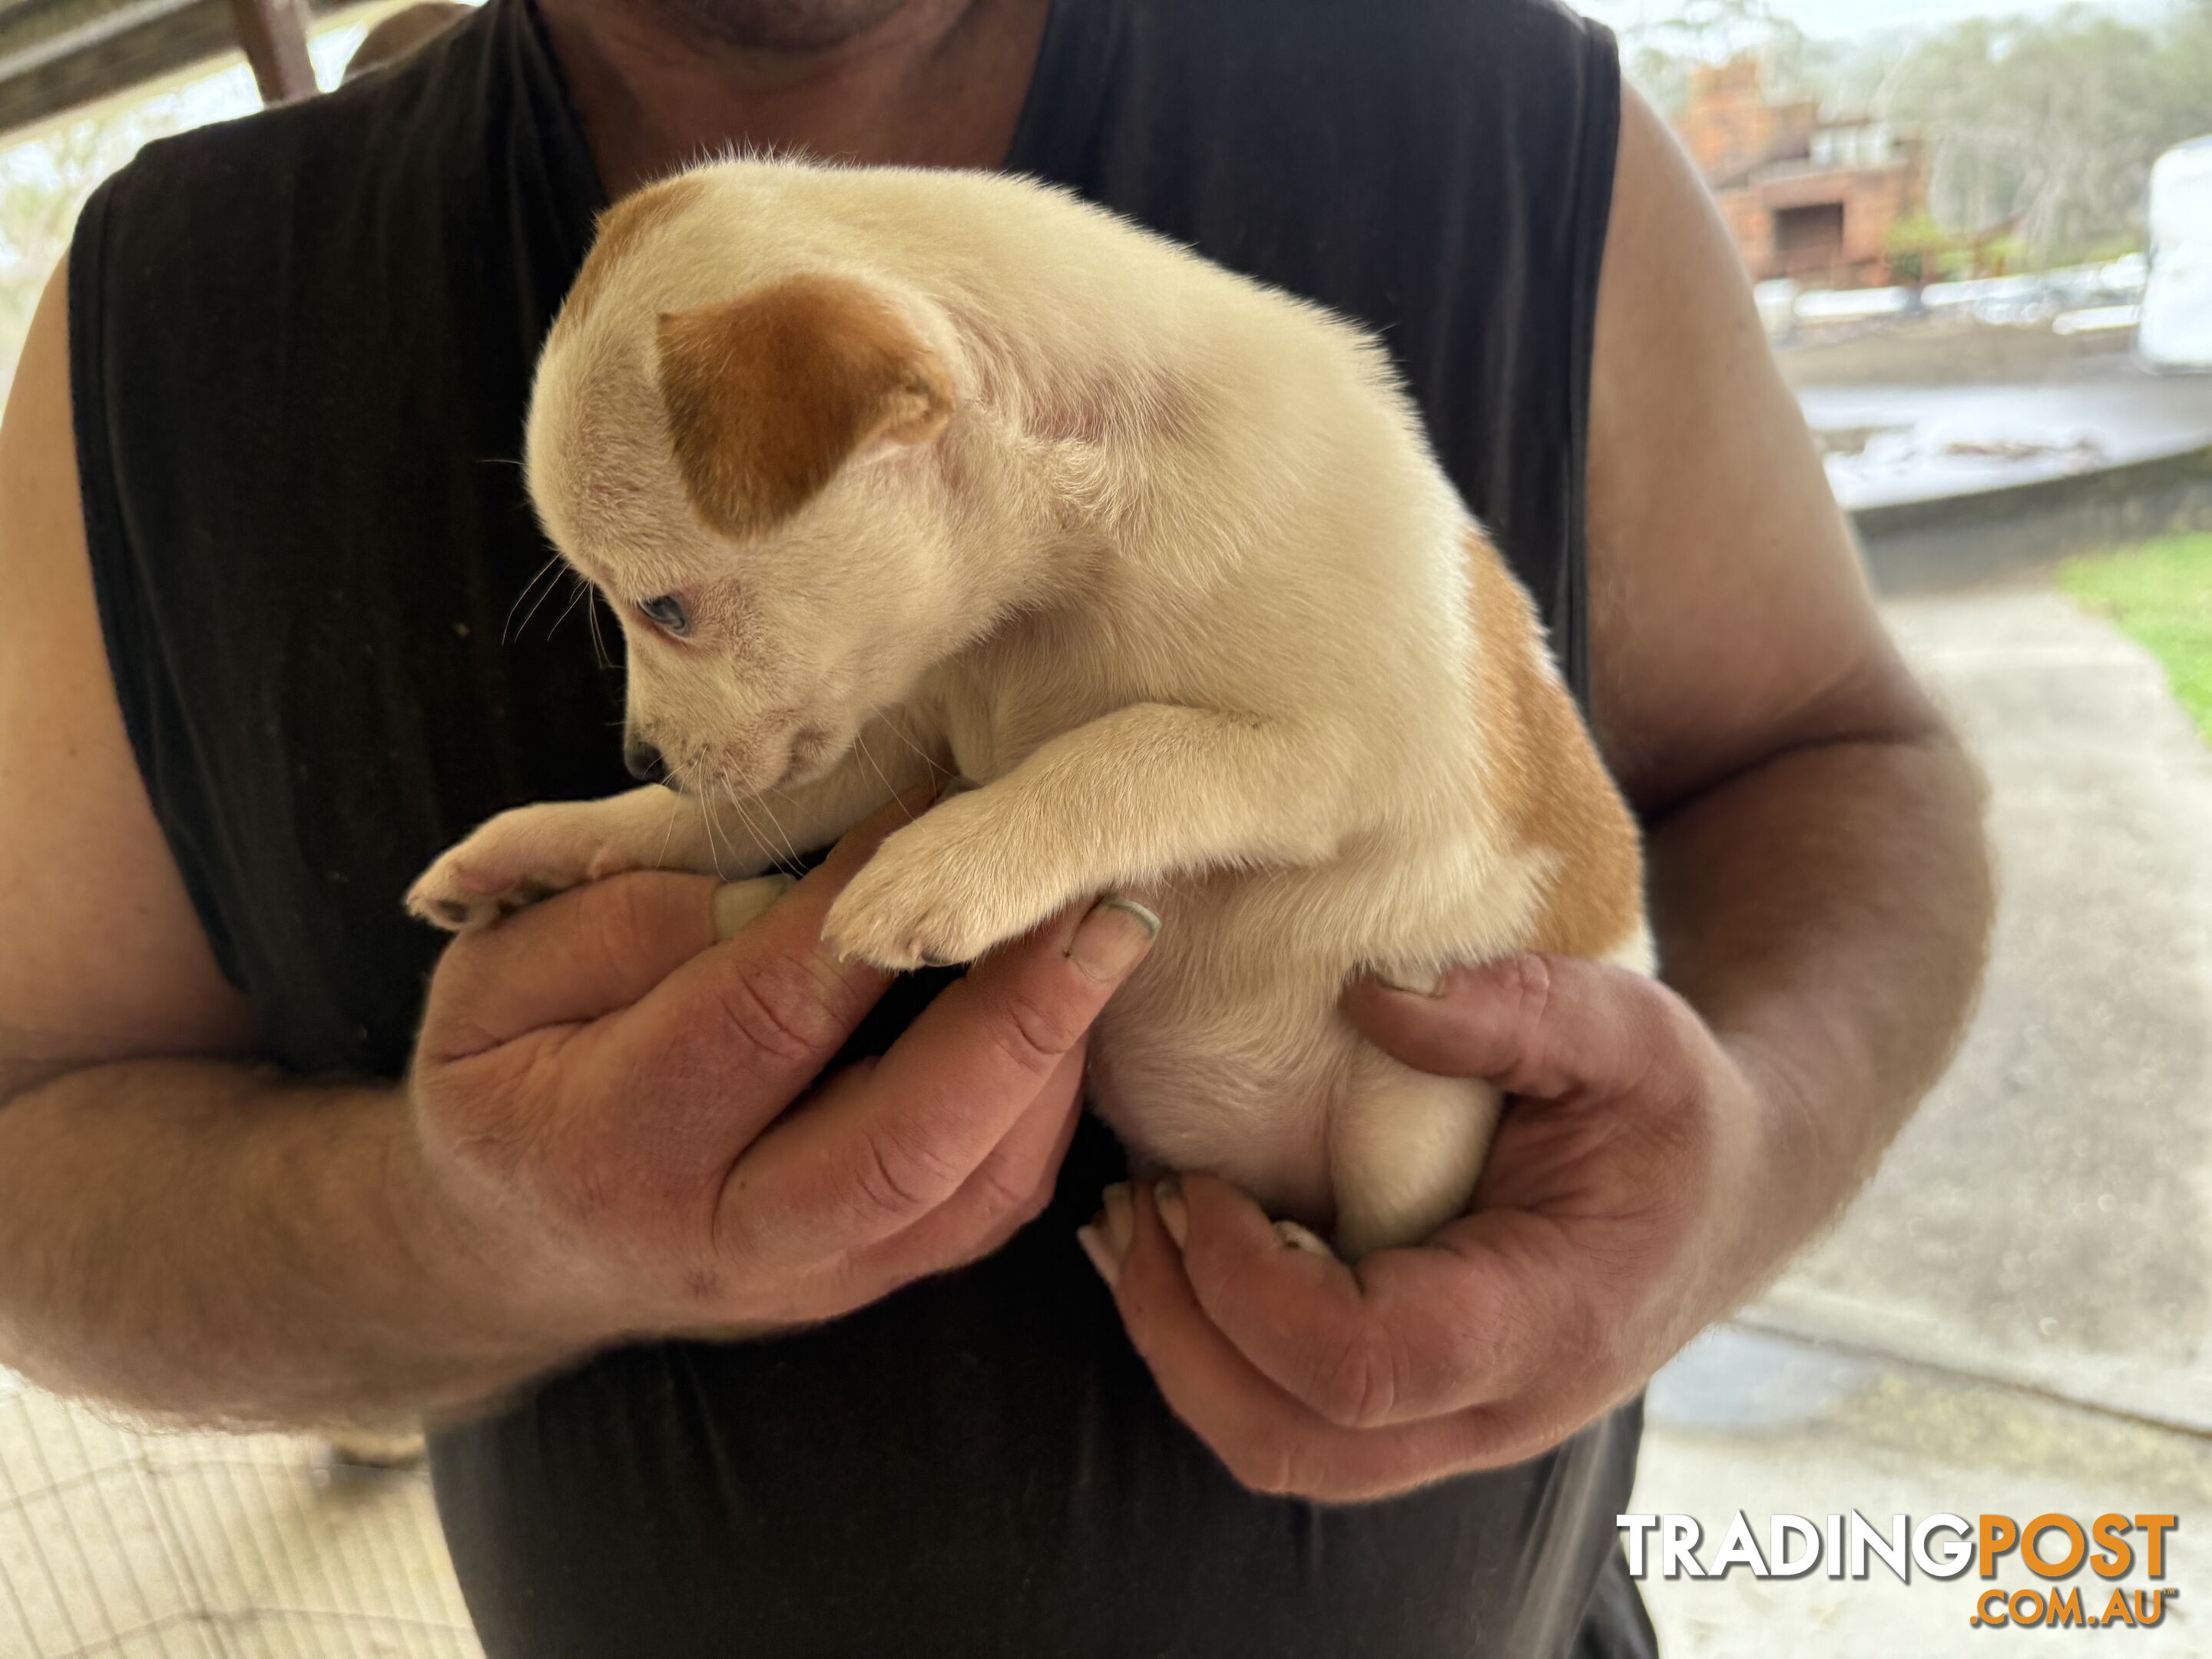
point(2160, 595)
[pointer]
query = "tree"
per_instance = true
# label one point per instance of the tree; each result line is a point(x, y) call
point(42, 186)
point(1838, 74)
point(2053, 122)
point(46, 178)
point(2046, 126)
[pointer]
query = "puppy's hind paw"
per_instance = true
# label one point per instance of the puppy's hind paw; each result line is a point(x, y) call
point(1298, 1237)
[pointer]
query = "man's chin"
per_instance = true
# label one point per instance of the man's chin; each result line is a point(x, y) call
point(778, 26)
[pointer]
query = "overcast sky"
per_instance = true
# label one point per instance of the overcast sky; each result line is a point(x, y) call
point(1842, 19)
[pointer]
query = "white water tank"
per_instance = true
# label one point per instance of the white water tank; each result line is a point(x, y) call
point(2176, 329)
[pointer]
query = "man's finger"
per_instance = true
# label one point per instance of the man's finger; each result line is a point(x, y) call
point(1270, 1440)
point(578, 956)
point(1007, 1191)
point(1404, 1336)
point(1539, 1026)
point(863, 1163)
point(605, 945)
point(762, 1012)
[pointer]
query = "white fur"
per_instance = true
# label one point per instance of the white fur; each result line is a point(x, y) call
point(1181, 586)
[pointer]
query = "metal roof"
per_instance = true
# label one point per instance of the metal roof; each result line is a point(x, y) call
point(58, 55)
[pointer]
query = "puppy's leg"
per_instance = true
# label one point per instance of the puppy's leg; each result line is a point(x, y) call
point(533, 852)
point(1145, 791)
point(1405, 1149)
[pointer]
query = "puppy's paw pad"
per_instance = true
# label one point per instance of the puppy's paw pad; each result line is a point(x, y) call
point(1297, 1237)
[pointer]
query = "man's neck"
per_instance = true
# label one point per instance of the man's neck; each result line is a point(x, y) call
point(937, 83)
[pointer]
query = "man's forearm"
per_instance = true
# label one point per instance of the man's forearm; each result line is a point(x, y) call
point(1828, 913)
point(217, 1242)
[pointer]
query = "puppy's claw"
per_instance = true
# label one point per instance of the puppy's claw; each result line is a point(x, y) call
point(452, 915)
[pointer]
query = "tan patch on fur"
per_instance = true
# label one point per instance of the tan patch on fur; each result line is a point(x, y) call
point(769, 393)
point(621, 229)
point(1546, 781)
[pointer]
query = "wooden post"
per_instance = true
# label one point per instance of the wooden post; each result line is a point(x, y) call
point(275, 36)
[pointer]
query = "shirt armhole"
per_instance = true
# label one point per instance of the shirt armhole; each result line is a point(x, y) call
point(152, 717)
point(1596, 153)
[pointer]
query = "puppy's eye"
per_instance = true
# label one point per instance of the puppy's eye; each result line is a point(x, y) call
point(667, 614)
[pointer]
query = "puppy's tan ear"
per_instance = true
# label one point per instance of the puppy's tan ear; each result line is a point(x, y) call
point(769, 393)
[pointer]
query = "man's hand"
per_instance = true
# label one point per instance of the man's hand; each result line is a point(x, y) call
point(600, 1096)
point(1629, 1198)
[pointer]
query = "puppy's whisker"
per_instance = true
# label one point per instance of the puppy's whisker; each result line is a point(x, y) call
point(598, 645)
point(860, 743)
point(920, 754)
point(714, 848)
point(508, 629)
point(583, 587)
point(675, 817)
point(782, 836)
point(712, 794)
point(744, 810)
point(536, 606)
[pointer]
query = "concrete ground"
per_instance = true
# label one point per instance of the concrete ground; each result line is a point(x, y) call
point(2014, 1317)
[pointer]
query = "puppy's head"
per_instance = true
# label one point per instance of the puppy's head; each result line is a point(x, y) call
point(759, 484)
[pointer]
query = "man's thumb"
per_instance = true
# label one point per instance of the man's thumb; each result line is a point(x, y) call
point(1540, 1026)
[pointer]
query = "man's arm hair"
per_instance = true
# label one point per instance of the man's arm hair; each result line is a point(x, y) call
point(1819, 884)
point(214, 1243)
point(180, 1231)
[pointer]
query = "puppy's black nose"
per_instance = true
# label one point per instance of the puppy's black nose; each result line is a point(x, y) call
point(644, 760)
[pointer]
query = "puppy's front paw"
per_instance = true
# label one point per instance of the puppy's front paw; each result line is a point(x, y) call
point(943, 889)
point(518, 858)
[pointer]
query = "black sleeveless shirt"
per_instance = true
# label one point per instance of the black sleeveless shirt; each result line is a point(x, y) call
point(300, 347)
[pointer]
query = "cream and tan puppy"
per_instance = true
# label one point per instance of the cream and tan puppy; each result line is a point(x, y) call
point(894, 474)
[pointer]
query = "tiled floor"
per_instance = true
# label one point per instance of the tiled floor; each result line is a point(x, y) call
point(114, 1542)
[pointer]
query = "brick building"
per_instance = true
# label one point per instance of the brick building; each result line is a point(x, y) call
point(1804, 197)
